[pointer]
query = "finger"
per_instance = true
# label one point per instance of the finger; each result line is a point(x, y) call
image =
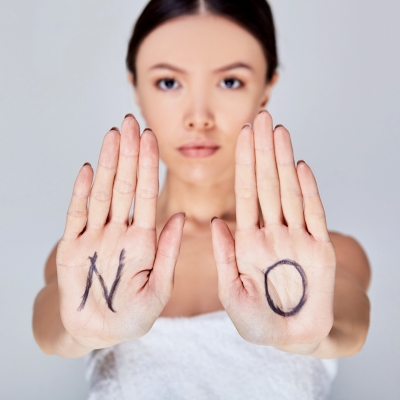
point(266, 171)
point(245, 181)
point(125, 179)
point(100, 196)
point(229, 282)
point(291, 198)
point(162, 276)
point(77, 211)
point(313, 209)
point(144, 215)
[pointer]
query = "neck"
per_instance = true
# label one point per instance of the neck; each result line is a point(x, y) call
point(199, 202)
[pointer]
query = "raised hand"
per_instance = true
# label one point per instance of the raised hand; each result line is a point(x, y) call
point(114, 278)
point(276, 277)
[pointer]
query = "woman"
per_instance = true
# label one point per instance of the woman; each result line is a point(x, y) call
point(265, 293)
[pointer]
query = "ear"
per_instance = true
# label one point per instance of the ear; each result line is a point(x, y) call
point(267, 91)
point(131, 80)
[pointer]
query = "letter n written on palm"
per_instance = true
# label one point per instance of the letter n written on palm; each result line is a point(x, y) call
point(93, 269)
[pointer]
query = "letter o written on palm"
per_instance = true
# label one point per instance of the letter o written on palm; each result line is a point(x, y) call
point(279, 217)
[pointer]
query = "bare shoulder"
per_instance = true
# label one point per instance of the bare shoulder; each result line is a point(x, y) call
point(351, 258)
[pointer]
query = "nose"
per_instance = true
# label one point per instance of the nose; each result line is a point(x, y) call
point(198, 122)
point(199, 117)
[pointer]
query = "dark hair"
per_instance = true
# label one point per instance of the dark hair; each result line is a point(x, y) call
point(253, 15)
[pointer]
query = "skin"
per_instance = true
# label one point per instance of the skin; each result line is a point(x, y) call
point(251, 184)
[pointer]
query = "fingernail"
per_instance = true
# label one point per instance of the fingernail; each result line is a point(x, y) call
point(86, 163)
point(263, 111)
point(279, 126)
point(148, 129)
point(129, 115)
point(212, 219)
point(249, 125)
point(300, 161)
point(114, 129)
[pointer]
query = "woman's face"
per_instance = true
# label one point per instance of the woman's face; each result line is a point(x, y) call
point(199, 80)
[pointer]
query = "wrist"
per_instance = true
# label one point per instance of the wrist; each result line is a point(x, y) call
point(300, 348)
point(72, 347)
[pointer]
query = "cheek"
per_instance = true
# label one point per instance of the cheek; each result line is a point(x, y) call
point(158, 110)
point(162, 116)
point(233, 111)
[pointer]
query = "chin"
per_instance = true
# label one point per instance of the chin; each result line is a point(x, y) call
point(200, 174)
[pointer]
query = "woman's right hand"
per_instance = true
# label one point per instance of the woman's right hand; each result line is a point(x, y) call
point(114, 279)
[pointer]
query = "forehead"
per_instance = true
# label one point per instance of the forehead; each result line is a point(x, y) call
point(200, 41)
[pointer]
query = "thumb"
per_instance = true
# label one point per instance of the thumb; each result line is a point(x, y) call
point(162, 276)
point(229, 282)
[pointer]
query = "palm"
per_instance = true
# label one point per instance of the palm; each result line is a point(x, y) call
point(113, 282)
point(276, 278)
point(99, 315)
point(285, 284)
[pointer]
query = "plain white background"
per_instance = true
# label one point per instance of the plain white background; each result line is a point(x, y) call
point(63, 85)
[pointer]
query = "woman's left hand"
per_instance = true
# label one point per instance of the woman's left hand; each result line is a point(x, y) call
point(276, 278)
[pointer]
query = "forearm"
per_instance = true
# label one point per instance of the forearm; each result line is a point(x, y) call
point(351, 320)
point(48, 329)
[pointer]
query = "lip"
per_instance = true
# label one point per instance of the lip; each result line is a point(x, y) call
point(197, 149)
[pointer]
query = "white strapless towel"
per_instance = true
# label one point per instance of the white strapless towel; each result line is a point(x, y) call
point(203, 358)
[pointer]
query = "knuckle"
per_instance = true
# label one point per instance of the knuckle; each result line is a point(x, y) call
point(170, 255)
point(290, 194)
point(296, 225)
point(267, 171)
point(76, 213)
point(268, 184)
point(146, 193)
point(107, 165)
point(147, 165)
point(227, 259)
point(118, 220)
point(285, 163)
point(245, 192)
point(316, 215)
point(124, 186)
point(310, 194)
point(244, 164)
point(95, 225)
point(101, 195)
point(130, 153)
point(264, 149)
point(79, 194)
point(163, 294)
point(319, 215)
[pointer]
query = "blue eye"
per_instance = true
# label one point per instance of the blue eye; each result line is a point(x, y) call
point(231, 83)
point(167, 84)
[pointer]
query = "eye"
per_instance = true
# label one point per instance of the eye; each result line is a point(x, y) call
point(231, 83)
point(167, 84)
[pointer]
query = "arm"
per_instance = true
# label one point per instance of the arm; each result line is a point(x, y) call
point(48, 329)
point(351, 303)
point(282, 282)
point(78, 310)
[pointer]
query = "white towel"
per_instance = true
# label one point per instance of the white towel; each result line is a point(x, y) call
point(203, 357)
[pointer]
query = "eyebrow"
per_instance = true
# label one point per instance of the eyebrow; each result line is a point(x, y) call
point(222, 69)
point(233, 66)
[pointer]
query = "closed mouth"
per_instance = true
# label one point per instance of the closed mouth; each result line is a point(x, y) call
point(198, 149)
